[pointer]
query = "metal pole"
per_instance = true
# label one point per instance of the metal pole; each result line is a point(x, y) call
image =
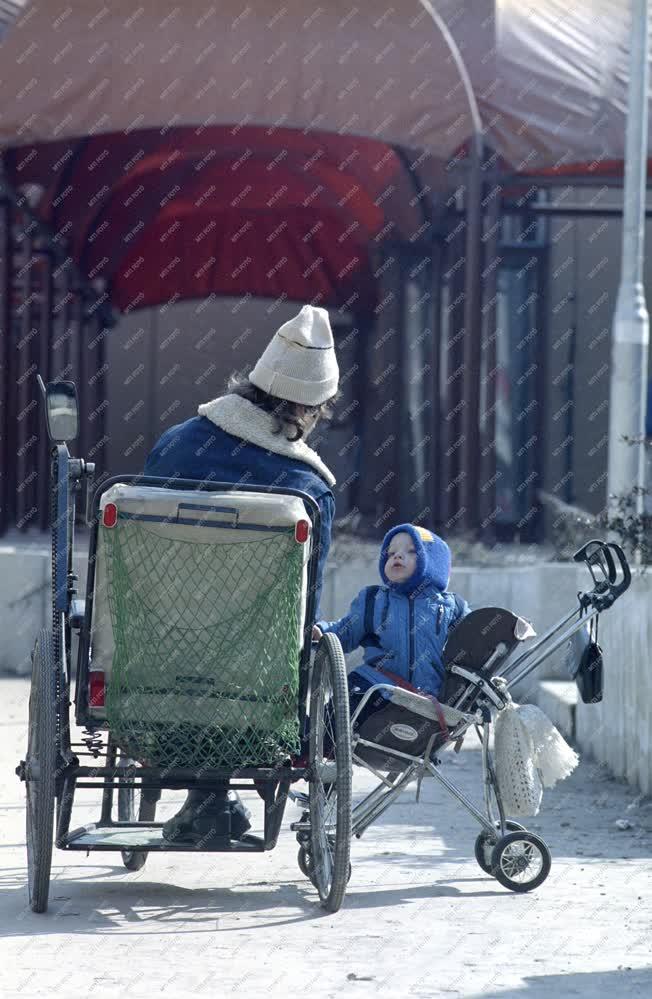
point(469, 510)
point(474, 109)
point(629, 351)
point(487, 420)
point(470, 485)
point(6, 342)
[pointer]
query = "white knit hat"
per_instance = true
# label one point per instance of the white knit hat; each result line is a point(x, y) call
point(299, 362)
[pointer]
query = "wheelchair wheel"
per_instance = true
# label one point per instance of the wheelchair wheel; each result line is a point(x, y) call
point(40, 771)
point(520, 861)
point(134, 805)
point(484, 845)
point(330, 785)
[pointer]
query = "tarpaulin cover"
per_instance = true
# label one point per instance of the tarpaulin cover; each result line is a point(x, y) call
point(268, 139)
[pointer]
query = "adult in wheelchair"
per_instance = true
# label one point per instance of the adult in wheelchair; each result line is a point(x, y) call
point(194, 668)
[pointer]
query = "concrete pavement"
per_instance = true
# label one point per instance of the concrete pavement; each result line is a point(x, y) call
point(420, 918)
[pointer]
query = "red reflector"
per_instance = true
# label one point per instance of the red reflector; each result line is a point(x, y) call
point(96, 688)
point(302, 531)
point(110, 515)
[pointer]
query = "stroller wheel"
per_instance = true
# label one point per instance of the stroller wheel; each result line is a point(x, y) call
point(484, 844)
point(520, 861)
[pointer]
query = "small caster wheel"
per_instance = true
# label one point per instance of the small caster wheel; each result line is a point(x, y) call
point(135, 805)
point(484, 844)
point(520, 861)
point(304, 858)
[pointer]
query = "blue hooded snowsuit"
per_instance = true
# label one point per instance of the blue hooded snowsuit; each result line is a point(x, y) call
point(410, 620)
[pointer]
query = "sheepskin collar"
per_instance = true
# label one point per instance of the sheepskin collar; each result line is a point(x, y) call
point(241, 418)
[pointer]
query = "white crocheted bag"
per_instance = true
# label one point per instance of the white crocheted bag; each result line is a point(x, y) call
point(518, 781)
point(529, 753)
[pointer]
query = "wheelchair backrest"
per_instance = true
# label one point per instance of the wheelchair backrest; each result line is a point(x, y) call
point(198, 616)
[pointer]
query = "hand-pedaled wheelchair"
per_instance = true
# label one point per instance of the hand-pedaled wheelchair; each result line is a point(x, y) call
point(195, 667)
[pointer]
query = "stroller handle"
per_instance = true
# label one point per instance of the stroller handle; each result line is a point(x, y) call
point(598, 557)
point(606, 591)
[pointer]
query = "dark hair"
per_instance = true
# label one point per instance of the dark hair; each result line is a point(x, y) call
point(293, 420)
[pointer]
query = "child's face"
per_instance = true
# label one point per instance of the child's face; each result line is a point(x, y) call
point(401, 558)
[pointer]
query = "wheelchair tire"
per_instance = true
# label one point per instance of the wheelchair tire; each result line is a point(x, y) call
point(331, 774)
point(134, 860)
point(484, 845)
point(520, 861)
point(40, 770)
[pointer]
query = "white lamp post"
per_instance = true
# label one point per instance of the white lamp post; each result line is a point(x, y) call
point(629, 351)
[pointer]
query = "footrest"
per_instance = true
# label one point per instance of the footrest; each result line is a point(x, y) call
point(149, 837)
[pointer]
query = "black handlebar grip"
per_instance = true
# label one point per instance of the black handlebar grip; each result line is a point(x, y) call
point(611, 565)
point(624, 565)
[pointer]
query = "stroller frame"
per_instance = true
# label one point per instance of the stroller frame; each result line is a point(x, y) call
point(478, 706)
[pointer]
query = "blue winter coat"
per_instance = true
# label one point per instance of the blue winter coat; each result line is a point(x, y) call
point(410, 632)
point(198, 449)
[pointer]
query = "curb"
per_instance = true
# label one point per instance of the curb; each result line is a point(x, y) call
point(558, 699)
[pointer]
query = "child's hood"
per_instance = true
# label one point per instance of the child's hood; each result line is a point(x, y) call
point(433, 560)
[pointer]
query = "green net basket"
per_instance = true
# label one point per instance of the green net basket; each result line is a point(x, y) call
point(207, 637)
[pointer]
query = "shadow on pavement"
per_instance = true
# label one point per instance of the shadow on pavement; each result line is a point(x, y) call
point(586, 985)
point(76, 902)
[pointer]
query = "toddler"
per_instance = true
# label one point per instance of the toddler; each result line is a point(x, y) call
point(404, 624)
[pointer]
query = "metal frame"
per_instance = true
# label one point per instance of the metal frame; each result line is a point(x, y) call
point(415, 767)
point(49, 273)
point(6, 249)
point(465, 500)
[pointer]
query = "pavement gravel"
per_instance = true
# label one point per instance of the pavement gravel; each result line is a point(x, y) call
point(420, 918)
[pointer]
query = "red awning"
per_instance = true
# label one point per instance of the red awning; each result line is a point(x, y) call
point(185, 215)
point(192, 149)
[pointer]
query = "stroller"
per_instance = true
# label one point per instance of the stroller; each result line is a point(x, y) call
point(397, 734)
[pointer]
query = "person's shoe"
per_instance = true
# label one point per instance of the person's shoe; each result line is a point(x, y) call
point(205, 814)
point(240, 816)
point(181, 827)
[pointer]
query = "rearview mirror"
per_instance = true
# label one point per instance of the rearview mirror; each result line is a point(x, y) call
point(61, 411)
